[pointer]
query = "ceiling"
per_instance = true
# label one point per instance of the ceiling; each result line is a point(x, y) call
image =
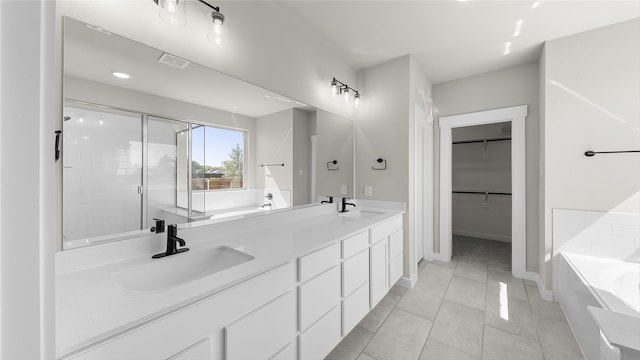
point(452, 39)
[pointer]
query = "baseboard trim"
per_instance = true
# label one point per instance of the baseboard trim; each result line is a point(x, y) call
point(544, 293)
point(408, 282)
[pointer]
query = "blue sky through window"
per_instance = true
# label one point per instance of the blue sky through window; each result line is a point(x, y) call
point(211, 146)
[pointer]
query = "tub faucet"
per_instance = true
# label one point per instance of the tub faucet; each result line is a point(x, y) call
point(159, 227)
point(343, 208)
point(172, 239)
point(330, 201)
point(265, 205)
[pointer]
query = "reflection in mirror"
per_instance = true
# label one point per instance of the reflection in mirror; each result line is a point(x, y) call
point(102, 169)
point(182, 143)
point(335, 143)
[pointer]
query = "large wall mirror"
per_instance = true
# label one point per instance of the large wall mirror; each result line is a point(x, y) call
point(147, 135)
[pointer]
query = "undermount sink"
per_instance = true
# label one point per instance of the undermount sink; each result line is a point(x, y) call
point(360, 214)
point(179, 269)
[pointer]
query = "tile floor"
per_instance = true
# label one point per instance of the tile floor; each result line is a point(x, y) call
point(459, 310)
point(496, 255)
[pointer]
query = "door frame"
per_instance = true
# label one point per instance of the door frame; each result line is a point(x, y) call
point(516, 116)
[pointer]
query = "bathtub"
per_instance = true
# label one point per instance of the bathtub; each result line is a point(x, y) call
point(612, 285)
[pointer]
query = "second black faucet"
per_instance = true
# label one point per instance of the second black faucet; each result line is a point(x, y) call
point(172, 239)
point(344, 203)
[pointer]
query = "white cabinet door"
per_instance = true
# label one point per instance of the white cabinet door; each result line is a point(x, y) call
point(322, 337)
point(264, 332)
point(355, 272)
point(354, 308)
point(318, 296)
point(395, 256)
point(379, 280)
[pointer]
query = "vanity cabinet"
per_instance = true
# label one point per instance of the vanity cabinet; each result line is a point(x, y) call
point(298, 310)
point(197, 331)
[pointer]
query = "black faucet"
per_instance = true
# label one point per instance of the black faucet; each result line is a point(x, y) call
point(344, 205)
point(327, 202)
point(172, 239)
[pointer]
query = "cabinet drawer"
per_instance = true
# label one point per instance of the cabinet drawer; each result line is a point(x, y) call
point(322, 337)
point(268, 330)
point(385, 229)
point(355, 244)
point(395, 244)
point(395, 270)
point(318, 296)
point(355, 307)
point(355, 272)
point(313, 264)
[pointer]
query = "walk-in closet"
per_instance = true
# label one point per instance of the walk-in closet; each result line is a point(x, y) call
point(481, 195)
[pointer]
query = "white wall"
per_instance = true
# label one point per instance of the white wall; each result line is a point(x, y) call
point(27, 243)
point(591, 90)
point(384, 129)
point(503, 88)
point(274, 145)
point(335, 142)
point(475, 168)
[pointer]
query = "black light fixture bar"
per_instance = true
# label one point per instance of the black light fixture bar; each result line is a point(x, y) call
point(335, 82)
point(216, 8)
point(593, 153)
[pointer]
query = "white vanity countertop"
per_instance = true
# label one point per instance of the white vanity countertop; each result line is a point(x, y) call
point(91, 306)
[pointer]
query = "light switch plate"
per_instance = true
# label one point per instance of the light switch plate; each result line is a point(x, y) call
point(343, 190)
point(368, 191)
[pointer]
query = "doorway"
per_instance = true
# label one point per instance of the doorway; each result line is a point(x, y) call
point(481, 195)
point(515, 116)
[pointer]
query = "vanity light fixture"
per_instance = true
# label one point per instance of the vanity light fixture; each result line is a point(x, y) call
point(338, 87)
point(173, 12)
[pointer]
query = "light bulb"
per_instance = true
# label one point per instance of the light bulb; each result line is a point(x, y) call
point(334, 87)
point(346, 93)
point(356, 99)
point(172, 11)
point(218, 33)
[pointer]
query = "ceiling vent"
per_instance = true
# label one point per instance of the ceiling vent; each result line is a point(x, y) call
point(174, 61)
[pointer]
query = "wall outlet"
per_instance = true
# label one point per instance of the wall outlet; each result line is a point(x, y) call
point(343, 190)
point(368, 191)
point(300, 172)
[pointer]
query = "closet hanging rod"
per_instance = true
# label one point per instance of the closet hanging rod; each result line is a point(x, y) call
point(481, 141)
point(481, 192)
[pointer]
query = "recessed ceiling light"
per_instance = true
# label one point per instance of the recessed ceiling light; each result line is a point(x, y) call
point(121, 75)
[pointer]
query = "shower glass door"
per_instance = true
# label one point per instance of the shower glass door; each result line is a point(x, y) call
point(102, 170)
point(167, 156)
